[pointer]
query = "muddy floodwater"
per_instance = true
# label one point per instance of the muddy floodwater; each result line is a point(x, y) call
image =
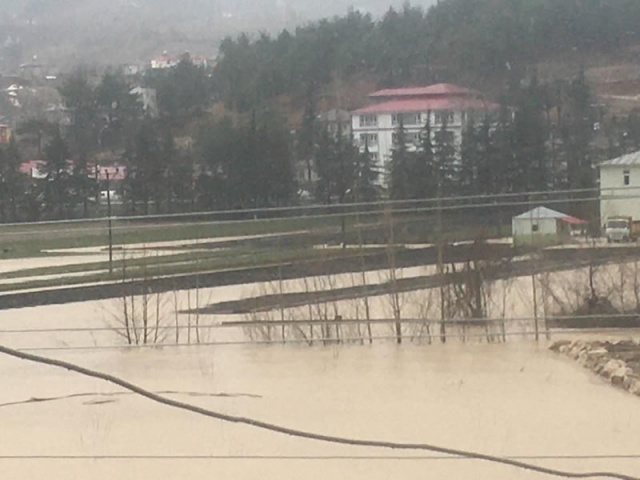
point(512, 399)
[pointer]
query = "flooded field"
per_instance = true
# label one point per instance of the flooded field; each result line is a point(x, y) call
point(511, 399)
point(514, 400)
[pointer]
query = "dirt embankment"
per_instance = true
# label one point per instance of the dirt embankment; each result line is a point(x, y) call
point(618, 362)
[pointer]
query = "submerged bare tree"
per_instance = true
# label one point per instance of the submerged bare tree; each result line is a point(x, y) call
point(395, 296)
point(141, 315)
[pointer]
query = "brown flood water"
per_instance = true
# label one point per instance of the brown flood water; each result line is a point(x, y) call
point(513, 399)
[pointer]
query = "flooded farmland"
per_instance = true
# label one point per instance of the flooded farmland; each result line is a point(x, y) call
point(513, 399)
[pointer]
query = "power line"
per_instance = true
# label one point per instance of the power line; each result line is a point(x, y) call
point(305, 434)
point(348, 210)
point(311, 457)
point(383, 203)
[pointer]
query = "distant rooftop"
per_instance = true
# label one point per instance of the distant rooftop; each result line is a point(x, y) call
point(439, 89)
point(427, 104)
point(441, 96)
point(628, 159)
point(544, 212)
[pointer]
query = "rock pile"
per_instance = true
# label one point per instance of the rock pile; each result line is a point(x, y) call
point(618, 362)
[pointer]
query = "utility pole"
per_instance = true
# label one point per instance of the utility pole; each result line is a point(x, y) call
point(109, 222)
point(440, 264)
point(534, 289)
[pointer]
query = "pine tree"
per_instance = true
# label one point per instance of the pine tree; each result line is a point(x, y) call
point(576, 131)
point(531, 168)
point(444, 160)
point(325, 167)
point(423, 178)
point(12, 182)
point(501, 157)
point(366, 176)
point(486, 182)
point(307, 136)
point(56, 192)
point(336, 161)
point(469, 161)
point(400, 165)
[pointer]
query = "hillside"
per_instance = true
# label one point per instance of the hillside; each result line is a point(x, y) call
point(491, 45)
point(63, 33)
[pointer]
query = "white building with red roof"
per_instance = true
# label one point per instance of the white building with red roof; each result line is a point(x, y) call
point(164, 61)
point(443, 103)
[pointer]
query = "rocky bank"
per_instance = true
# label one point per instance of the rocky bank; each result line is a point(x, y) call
point(618, 361)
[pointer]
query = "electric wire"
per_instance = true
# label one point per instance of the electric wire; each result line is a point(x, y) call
point(383, 203)
point(312, 457)
point(400, 206)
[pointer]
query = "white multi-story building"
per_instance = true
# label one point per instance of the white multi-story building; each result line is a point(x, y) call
point(375, 126)
point(619, 187)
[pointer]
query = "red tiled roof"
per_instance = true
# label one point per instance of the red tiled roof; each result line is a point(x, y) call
point(427, 104)
point(573, 220)
point(439, 89)
point(27, 167)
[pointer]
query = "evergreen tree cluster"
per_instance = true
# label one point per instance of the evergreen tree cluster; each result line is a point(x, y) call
point(544, 138)
point(453, 40)
point(107, 125)
point(245, 165)
point(547, 136)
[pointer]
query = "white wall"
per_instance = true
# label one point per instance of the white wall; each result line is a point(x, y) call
point(385, 130)
point(612, 184)
point(523, 227)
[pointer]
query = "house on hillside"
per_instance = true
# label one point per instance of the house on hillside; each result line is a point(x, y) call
point(34, 169)
point(164, 61)
point(442, 104)
point(543, 226)
point(335, 121)
point(32, 70)
point(169, 61)
point(620, 187)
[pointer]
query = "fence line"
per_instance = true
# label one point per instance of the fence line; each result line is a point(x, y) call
point(323, 342)
point(342, 321)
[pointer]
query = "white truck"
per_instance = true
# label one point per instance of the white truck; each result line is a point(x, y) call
point(621, 229)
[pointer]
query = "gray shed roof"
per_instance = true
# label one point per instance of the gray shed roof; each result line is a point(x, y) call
point(624, 160)
point(541, 212)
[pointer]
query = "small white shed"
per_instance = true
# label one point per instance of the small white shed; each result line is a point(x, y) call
point(542, 226)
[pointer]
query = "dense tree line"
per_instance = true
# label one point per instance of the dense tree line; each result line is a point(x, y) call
point(245, 165)
point(107, 123)
point(546, 137)
point(453, 40)
point(181, 157)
